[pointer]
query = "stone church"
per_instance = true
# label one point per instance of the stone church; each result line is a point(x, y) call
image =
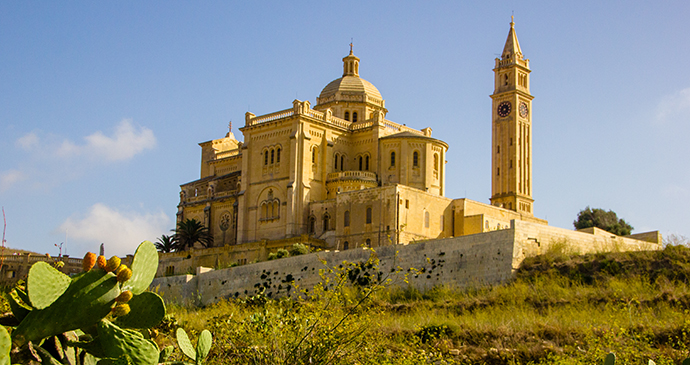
point(339, 175)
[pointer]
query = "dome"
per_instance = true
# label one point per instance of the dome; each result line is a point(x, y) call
point(350, 85)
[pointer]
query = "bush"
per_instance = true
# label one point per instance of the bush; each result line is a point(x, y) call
point(299, 249)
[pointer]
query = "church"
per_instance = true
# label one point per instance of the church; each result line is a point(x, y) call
point(342, 174)
point(338, 175)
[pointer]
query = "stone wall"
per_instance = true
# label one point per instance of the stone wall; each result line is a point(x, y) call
point(478, 259)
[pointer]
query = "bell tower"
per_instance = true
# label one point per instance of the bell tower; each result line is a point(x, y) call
point(511, 126)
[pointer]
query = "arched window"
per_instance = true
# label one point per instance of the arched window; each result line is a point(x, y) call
point(392, 159)
point(335, 162)
point(264, 210)
point(266, 158)
point(278, 155)
point(498, 149)
point(273, 156)
point(312, 224)
point(415, 159)
point(366, 163)
point(354, 117)
point(346, 245)
point(347, 116)
point(368, 215)
point(368, 242)
point(346, 219)
point(360, 163)
point(436, 161)
point(342, 163)
point(314, 153)
point(326, 222)
point(426, 219)
point(275, 212)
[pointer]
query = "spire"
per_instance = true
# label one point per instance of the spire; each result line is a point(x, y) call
point(351, 64)
point(512, 46)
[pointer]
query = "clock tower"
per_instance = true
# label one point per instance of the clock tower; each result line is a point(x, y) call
point(511, 126)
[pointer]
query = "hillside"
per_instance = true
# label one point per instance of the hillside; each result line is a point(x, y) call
point(560, 309)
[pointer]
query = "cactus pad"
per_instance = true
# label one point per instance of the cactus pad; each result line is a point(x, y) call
point(185, 344)
point(117, 342)
point(610, 359)
point(5, 346)
point(19, 309)
point(89, 298)
point(45, 284)
point(144, 267)
point(147, 310)
point(203, 346)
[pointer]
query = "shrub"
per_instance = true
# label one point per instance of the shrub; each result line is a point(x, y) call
point(299, 249)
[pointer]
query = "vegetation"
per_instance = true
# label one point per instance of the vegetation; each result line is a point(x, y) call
point(102, 316)
point(600, 218)
point(295, 250)
point(560, 309)
point(166, 243)
point(189, 232)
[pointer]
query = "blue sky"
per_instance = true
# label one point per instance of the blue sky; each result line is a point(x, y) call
point(102, 104)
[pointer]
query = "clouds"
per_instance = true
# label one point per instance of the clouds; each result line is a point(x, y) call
point(120, 231)
point(673, 107)
point(126, 142)
point(46, 157)
point(9, 178)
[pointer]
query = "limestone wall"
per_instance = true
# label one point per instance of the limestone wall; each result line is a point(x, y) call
point(468, 260)
point(478, 259)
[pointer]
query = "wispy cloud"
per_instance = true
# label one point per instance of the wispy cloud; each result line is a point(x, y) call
point(121, 232)
point(11, 177)
point(47, 159)
point(673, 107)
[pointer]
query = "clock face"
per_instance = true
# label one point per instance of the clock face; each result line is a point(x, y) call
point(504, 108)
point(524, 110)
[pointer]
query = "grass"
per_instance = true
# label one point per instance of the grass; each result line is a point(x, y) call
point(560, 309)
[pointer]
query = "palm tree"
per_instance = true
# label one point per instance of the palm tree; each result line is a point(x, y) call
point(166, 243)
point(191, 231)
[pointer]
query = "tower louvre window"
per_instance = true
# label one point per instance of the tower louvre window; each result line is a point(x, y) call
point(346, 219)
point(415, 159)
point(272, 156)
point(366, 163)
point(354, 117)
point(266, 158)
point(278, 155)
point(347, 116)
point(392, 159)
point(368, 215)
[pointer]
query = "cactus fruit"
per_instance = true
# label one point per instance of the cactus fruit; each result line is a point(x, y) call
point(124, 297)
point(148, 310)
point(121, 309)
point(45, 284)
point(124, 275)
point(112, 264)
point(101, 261)
point(120, 268)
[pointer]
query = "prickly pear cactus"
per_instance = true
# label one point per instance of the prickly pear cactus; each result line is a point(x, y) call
point(610, 359)
point(5, 346)
point(144, 267)
point(45, 284)
point(89, 298)
point(146, 310)
point(118, 342)
point(203, 346)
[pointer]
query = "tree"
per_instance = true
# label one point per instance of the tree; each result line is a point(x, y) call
point(166, 243)
point(600, 218)
point(191, 231)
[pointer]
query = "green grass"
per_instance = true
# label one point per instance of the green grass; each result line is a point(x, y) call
point(560, 309)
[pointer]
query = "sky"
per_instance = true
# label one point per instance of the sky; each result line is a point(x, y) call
point(103, 104)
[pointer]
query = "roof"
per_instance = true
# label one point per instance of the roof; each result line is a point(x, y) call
point(408, 134)
point(351, 85)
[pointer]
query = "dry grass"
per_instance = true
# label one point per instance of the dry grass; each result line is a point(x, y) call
point(559, 310)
